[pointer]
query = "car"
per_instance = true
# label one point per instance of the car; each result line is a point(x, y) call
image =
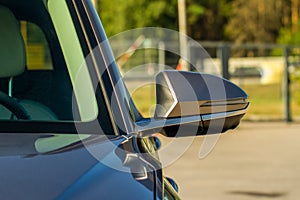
point(68, 126)
point(247, 72)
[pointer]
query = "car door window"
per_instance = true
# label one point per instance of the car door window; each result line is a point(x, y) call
point(53, 85)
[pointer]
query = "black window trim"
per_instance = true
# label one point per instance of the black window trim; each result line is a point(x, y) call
point(106, 75)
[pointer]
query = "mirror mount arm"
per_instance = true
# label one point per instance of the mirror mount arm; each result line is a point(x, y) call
point(148, 126)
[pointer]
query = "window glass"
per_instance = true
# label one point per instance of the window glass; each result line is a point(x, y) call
point(38, 55)
point(39, 82)
point(75, 60)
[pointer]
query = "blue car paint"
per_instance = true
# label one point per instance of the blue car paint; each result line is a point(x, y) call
point(72, 174)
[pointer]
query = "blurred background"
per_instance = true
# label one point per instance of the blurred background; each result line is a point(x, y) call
point(254, 43)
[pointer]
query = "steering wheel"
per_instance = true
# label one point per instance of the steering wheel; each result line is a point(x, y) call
point(14, 106)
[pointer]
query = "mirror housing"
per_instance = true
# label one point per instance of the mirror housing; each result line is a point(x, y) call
point(196, 103)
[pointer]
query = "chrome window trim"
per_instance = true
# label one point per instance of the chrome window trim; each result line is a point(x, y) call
point(118, 89)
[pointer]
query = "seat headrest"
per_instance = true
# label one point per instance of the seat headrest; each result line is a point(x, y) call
point(12, 48)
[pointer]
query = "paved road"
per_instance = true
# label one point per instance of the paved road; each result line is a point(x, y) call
point(255, 161)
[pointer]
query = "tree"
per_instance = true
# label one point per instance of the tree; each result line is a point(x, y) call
point(207, 19)
point(256, 21)
point(290, 32)
point(119, 15)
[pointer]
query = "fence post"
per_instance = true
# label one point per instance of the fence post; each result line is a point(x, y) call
point(286, 96)
point(223, 54)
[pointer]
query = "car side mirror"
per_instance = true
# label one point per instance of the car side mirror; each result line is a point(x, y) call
point(199, 102)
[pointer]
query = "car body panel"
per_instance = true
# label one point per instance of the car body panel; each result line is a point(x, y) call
point(73, 173)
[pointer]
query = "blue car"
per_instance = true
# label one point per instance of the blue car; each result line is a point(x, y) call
point(68, 126)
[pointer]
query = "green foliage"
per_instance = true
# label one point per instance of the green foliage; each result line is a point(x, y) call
point(286, 36)
point(207, 19)
point(119, 15)
point(194, 11)
point(257, 21)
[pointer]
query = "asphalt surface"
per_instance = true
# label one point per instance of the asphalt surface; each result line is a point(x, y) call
point(255, 161)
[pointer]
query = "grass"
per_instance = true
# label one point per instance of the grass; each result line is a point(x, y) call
point(144, 99)
point(266, 101)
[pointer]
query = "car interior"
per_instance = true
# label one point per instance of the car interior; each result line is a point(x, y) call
point(34, 81)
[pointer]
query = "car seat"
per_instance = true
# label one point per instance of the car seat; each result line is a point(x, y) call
point(12, 64)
